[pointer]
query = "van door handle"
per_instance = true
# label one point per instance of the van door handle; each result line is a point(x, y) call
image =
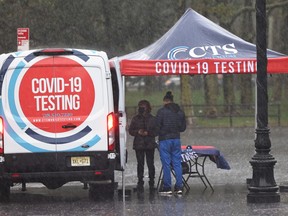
point(69, 126)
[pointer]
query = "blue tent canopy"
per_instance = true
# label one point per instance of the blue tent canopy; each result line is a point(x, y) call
point(196, 45)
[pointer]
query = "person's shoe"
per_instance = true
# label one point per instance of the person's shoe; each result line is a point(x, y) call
point(165, 191)
point(151, 186)
point(140, 188)
point(152, 189)
point(178, 191)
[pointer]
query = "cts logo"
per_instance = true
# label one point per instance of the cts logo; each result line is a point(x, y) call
point(185, 52)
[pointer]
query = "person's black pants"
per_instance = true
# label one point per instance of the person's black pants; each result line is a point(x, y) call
point(140, 155)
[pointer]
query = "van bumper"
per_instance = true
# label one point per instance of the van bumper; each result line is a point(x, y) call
point(83, 176)
point(60, 176)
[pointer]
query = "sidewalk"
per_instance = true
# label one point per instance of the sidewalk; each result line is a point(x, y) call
point(230, 189)
point(226, 200)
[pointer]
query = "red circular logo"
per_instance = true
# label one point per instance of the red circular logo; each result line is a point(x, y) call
point(56, 94)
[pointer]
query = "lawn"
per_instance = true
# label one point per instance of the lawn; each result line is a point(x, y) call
point(278, 114)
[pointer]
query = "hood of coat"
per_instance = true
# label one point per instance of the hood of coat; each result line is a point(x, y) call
point(173, 107)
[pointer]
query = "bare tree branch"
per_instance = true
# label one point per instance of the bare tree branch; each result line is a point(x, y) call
point(269, 8)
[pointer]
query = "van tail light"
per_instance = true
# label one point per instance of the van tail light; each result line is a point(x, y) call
point(111, 131)
point(1, 136)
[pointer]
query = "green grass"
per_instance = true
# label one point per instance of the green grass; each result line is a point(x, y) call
point(239, 119)
point(155, 98)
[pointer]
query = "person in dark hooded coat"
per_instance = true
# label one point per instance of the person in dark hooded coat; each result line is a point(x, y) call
point(143, 127)
point(171, 122)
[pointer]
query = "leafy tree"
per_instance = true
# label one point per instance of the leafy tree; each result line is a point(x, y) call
point(123, 26)
point(248, 34)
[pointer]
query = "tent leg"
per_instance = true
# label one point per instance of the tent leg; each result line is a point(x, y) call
point(123, 185)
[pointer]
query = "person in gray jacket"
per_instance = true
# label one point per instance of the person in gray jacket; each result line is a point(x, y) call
point(171, 121)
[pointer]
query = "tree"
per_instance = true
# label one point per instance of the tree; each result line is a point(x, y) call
point(186, 90)
point(277, 42)
point(223, 11)
point(248, 34)
point(206, 7)
point(122, 26)
point(211, 95)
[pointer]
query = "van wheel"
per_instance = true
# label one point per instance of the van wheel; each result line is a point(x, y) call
point(100, 191)
point(4, 192)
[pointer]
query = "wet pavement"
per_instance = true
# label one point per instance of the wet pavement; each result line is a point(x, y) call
point(229, 196)
point(227, 200)
point(230, 188)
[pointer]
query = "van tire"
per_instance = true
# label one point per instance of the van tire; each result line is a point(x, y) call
point(4, 192)
point(98, 191)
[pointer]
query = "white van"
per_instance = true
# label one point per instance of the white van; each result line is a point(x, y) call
point(62, 119)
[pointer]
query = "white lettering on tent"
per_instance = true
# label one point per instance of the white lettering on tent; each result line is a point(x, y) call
point(202, 67)
point(235, 67)
point(231, 68)
point(215, 50)
point(193, 54)
point(172, 67)
point(165, 67)
point(229, 49)
point(158, 68)
point(206, 67)
point(252, 66)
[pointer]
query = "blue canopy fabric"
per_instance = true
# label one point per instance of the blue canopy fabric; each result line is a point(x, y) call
point(196, 45)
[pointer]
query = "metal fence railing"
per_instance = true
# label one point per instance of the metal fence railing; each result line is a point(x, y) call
point(236, 115)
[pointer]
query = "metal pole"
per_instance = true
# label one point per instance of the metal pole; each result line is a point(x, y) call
point(263, 188)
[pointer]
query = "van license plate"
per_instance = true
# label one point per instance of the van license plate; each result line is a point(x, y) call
point(80, 161)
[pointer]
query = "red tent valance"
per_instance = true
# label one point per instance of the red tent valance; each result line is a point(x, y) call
point(199, 66)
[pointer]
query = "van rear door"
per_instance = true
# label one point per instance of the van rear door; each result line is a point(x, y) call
point(122, 121)
point(27, 129)
point(81, 117)
point(59, 102)
point(25, 121)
